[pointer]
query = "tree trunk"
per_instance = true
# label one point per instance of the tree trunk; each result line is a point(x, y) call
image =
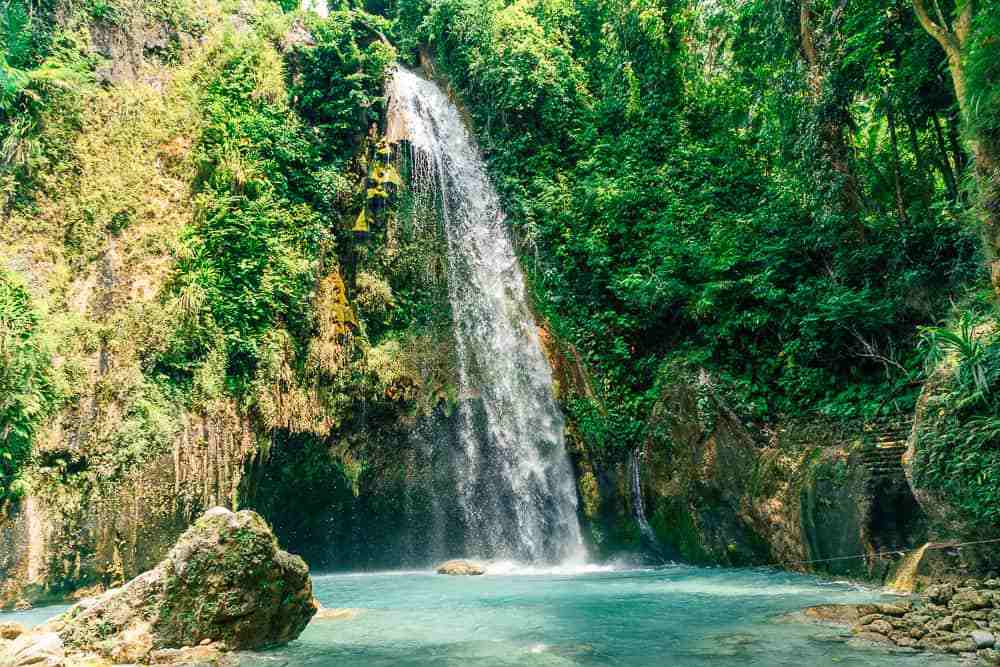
point(943, 161)
point(833, 141)
point(896, 167)
point(988, 180)
point(952, 39)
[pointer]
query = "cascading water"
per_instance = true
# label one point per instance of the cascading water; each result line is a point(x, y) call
point(649, 540)
point(514, 484)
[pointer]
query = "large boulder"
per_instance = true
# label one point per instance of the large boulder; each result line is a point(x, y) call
point(44, 649)
point(225, 582)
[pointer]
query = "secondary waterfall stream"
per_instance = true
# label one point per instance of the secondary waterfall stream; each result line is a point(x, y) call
point(514, 484)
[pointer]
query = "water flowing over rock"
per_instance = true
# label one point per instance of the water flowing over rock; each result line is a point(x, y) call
point(514, 482)
point(649, 540)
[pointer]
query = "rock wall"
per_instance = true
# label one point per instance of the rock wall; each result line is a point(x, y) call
point(122, 467)
point(76, 530)
point(716, 491)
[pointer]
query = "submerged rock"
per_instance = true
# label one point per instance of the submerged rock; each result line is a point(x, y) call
point(460, 567)
point(326, 614)
point(225, 583)
point(834, 614)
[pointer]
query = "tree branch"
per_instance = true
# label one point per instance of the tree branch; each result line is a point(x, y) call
point(964, 22)
point(947, 40)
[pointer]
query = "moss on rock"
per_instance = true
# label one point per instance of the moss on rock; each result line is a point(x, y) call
point(225, 581)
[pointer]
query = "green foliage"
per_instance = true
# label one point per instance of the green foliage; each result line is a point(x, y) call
point(968, 346)
point(982, 58)
point(274, 175)
point(39, 69)
point(338, 79)
point(28, 390)
point(959, 436)
point(659, 164)
point(251, 258)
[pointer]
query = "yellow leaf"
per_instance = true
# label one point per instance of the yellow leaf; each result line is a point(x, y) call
point(361, 224)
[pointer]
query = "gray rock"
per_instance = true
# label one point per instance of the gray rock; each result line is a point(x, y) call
point(970, 600)
point(988, 656)
point(225, 580)
point(982, 638)
point(42, 649)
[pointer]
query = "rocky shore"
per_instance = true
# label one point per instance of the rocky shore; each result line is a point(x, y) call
point(962, 619)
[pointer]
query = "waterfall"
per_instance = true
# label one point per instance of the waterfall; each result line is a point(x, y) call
point(905, 578)
point(638, 505)
point(649, 541)
point(513, 481)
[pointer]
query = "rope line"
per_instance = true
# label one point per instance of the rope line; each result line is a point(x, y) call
point(898, 552)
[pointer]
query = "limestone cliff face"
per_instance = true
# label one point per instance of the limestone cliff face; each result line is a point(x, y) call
point(121, 468)
point(75, 529)
point(718, 492)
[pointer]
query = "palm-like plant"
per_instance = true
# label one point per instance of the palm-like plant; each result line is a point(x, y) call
point(967, 345)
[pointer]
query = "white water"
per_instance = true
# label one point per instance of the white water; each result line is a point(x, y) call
point(515, 486)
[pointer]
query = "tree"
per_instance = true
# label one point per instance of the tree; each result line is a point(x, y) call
point(954, 38)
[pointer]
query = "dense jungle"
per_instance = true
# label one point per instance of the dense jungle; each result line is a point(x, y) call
point(574, 288)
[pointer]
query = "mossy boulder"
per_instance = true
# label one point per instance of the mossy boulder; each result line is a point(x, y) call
point(225, 582)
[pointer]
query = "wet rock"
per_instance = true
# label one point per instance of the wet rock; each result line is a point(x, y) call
point(325, 614)
point(898, 609)
point(870, 618)
point(969, 600)
point(964, 625)
point(989, 656)
point(982, 638)
point(836, 614)
point(190, 656)
point(872, 637)
point(225, 580)
point(946, 623)
point(38, 649)
point(962, 646)
point(940, 593)
point(11, 630)
point(880, 627)
point(460, 568)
